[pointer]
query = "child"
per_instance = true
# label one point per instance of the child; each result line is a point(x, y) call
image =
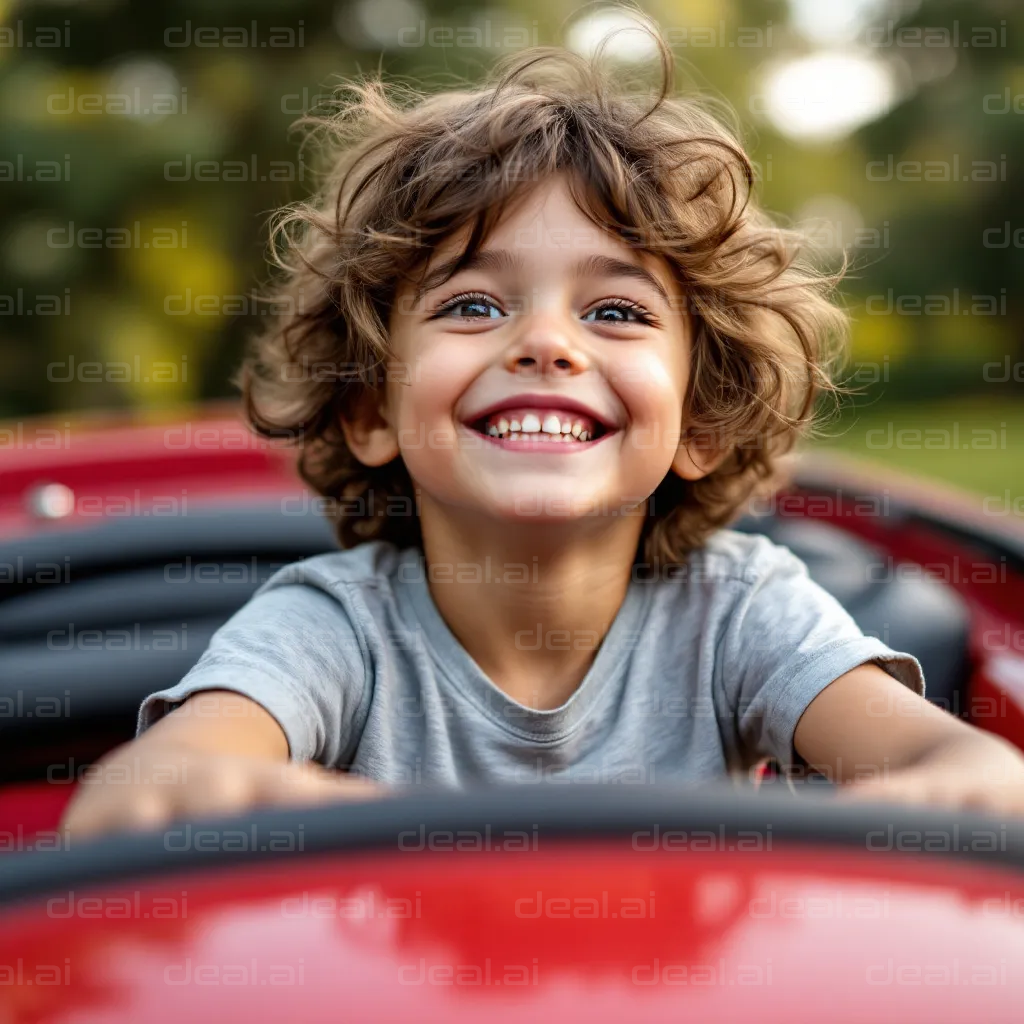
point(540, 347)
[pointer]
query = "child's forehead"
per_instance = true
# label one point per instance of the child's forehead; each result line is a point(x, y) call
point(543, 225)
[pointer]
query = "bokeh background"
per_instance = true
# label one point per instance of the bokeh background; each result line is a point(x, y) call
point(144, 144)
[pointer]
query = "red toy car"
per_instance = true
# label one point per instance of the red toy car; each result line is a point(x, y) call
point(123, 549)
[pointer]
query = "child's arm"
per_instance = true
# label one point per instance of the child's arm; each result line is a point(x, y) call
point(218, 753)
point(868, 729)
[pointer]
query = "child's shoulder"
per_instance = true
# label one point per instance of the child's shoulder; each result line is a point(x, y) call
point(735, 555)
point(374, 563)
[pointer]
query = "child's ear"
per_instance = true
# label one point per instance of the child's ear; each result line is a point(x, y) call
point(368, 434)
point(698, 455)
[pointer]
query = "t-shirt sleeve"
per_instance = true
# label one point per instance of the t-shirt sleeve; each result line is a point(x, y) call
point(787, 639)
point(293, 650)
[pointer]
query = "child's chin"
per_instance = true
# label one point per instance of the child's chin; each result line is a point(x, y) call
point(553, 502)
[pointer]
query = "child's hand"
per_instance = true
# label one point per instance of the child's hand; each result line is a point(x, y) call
point(153, 785)
point(882, 742)
point(976, 772)
point(220, 753)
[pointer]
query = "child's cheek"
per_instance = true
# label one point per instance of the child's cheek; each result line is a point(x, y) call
point(428, 425)
point(444, 369)
point(432, 393)
point(651, 391)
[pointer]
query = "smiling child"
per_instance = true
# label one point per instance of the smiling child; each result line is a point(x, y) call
point(541, 346)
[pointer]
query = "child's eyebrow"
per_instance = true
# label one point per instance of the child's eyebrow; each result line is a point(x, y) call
point(503, 260)
point(610, 266)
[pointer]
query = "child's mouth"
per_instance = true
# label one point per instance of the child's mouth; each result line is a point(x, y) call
point(540, 427)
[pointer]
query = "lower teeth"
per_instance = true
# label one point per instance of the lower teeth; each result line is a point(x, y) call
point(551, 438)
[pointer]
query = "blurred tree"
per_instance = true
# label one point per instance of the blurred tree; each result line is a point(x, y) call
point(948, 165)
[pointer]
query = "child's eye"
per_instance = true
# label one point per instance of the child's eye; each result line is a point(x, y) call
point(618, 311)
point(471, 306)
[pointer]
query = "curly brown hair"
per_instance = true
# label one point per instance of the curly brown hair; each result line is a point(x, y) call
point(406, 171)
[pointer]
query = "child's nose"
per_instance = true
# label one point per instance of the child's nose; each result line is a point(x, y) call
point(545, 350)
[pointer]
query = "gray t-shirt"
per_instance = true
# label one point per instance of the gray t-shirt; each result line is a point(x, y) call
point(701, 673)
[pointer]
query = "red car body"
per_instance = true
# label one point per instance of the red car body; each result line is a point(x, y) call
point(606, 905)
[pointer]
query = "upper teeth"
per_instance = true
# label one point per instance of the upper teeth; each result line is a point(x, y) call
point(541, 425)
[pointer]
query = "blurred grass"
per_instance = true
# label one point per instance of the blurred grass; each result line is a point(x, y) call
point(988, 433)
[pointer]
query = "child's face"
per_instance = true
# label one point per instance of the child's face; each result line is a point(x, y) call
point(544, 382)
